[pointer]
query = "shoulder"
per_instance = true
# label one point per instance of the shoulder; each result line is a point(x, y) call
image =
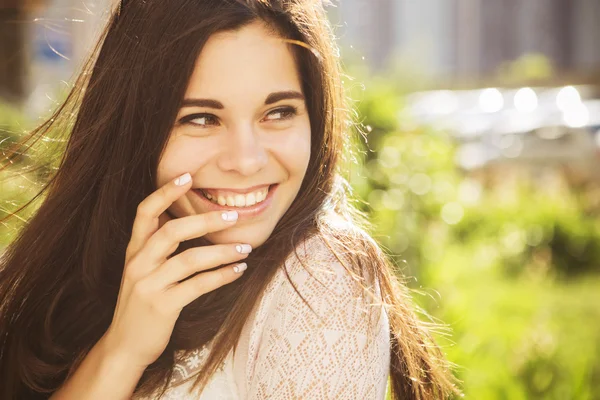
point(340, 255)
point(318, 334)
point(320, 265)
point(317, 255)
point(321, 286)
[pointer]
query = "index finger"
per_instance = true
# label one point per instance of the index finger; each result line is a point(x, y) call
point(146, 221)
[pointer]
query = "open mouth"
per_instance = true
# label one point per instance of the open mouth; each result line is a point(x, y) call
point(234, 199)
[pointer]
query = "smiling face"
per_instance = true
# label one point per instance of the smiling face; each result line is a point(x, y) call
point(243, 133)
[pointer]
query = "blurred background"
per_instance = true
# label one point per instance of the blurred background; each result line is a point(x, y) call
point(479, 165)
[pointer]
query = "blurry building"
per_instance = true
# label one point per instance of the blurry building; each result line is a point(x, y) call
point(62, 35)
point(470, 37)
point(42, 46)
point(13, 42)
point(43, 42)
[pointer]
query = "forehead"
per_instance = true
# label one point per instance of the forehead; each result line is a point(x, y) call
point(250, 61)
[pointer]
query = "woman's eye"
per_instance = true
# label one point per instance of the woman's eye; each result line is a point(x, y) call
point(201, 120)
point(209, 120)
point(281, 114)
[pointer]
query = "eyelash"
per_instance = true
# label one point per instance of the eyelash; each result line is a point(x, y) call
point(288, 111)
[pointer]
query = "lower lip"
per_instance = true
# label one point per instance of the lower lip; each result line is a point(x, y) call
point(243, 212)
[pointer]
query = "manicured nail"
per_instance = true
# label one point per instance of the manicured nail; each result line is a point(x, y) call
point(240, 267)
point(230, 216)
point(183, 179)
point(243, 248)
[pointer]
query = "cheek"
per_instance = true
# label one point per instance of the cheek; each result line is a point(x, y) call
point(301, 152)
point(293, 151)
point(182, 154)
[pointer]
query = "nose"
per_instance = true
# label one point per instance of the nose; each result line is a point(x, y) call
point(242, 152)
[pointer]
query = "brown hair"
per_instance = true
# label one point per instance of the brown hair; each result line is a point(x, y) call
point(59, 279)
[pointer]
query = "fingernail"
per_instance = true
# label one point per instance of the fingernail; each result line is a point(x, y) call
point(230, 216)
point(183, 179)
point(240, 267)
point(243, 248)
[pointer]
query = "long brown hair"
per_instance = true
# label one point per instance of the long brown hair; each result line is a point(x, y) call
point(60, 277)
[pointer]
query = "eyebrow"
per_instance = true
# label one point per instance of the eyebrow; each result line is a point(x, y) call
point(271, 98)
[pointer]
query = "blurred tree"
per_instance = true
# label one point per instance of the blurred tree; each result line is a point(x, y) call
point(13, 46)
point(509, 260)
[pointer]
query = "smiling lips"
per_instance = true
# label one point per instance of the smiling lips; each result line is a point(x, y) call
point(230, 198)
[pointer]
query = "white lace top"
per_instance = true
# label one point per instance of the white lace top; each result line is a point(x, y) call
point(287, 352)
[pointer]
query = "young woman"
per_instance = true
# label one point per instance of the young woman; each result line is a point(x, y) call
point(195, 241)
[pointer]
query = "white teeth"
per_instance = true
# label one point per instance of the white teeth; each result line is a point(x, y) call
point(238, 199)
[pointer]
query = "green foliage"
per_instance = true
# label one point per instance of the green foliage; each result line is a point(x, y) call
point(22, 174)
point(542, 230)
point(11, 121)
point(509, 263)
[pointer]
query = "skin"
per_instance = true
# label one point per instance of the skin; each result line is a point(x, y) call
point(247, 142)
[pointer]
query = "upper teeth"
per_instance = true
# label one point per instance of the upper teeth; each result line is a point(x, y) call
point(231, 199)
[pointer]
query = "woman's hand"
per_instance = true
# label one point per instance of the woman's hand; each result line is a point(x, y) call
point(151, 296)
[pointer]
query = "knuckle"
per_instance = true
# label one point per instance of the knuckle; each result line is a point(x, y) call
point(206, 219)
point(192, 256)
point(169, 229)
point(203, 224)
point(218, 255)
point(229, 250)
point(132, 251)
point(142, 290)
point(201, 286)
point(128, 252)
point(130, 271)
point(214, 219)
point(163, 191)
point(229, 253)
point(129, 275)
point(129, 280)
point(142, 209)
point(223, 275)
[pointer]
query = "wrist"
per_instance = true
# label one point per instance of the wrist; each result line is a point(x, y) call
point(105, 373)
point(114, 358)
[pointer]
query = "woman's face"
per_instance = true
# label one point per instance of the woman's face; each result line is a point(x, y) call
point(243, 134)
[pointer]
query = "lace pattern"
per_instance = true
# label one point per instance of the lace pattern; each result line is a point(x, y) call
point(339, 351)
point(336, 345)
